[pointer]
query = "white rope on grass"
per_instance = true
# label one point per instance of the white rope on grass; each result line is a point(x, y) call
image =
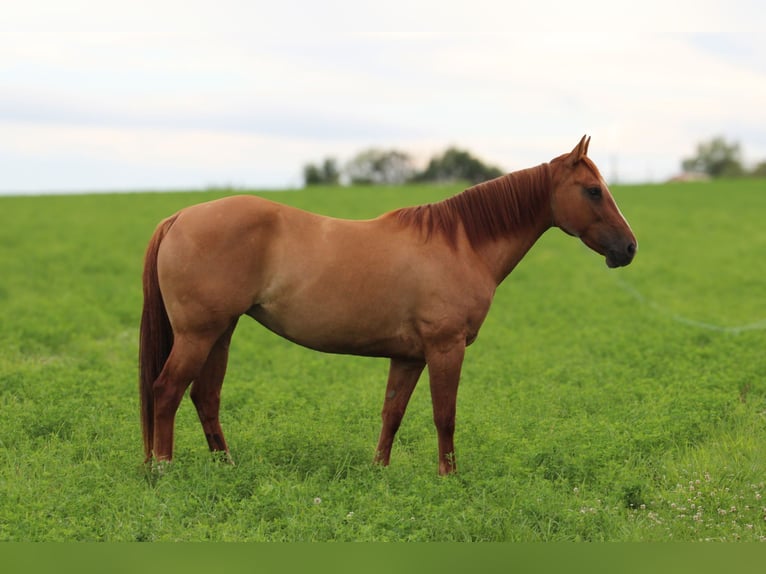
point(638, 296)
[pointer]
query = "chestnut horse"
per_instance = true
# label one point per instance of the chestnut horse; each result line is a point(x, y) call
point(413, 285)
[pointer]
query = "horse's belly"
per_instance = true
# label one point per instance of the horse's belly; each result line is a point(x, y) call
point(355, 333)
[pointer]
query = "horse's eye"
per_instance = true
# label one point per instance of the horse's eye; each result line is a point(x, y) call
point(594, 192)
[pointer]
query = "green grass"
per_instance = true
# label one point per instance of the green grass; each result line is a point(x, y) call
point(597, 404)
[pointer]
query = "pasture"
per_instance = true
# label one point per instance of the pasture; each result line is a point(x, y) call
point(596, 404)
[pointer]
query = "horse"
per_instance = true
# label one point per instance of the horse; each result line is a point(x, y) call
point(412, 285)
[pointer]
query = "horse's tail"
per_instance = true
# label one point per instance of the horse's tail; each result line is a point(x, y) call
point(156, 335)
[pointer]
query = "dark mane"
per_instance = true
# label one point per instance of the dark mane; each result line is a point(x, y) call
point(486, 211)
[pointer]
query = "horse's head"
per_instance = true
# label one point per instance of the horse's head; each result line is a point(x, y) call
point(582, 206)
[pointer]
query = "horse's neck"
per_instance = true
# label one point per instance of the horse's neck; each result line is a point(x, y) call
point(503, 254)
point(524, 199)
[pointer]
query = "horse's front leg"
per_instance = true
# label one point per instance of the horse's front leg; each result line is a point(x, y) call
point(444, 366)
point(402, 378)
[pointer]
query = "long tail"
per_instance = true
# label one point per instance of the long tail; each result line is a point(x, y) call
point(156, 335)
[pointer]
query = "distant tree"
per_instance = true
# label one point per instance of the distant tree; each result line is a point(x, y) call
point(717, 158)
point(458, 165)
point(376, 166)
point(331, 171)
point(759, 170)
point(312, 175)
point(325, 174)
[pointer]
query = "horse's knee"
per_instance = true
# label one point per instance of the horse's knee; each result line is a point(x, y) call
point(445, 424)
point(392, 417)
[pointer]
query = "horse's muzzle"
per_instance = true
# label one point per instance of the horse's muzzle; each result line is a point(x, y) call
point(622, 256)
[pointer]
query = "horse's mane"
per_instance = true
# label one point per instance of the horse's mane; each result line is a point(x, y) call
point(486, 211)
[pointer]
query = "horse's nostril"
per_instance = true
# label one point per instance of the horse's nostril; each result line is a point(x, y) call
point(631, 249)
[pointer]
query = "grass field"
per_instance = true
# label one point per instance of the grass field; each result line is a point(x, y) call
point(597, 404)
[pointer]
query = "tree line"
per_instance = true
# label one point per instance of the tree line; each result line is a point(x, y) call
point(720, 158)
point(715, 158)
point(395, 167)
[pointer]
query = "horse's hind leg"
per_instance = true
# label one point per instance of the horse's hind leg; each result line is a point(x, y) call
point(402, 378)
point(184, 364)
point(206, 392)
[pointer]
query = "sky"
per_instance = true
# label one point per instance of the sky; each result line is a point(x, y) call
point(163, 94)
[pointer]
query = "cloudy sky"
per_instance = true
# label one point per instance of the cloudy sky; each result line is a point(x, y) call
point(158, 94)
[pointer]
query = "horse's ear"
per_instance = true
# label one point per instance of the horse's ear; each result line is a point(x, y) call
point(580, 150)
